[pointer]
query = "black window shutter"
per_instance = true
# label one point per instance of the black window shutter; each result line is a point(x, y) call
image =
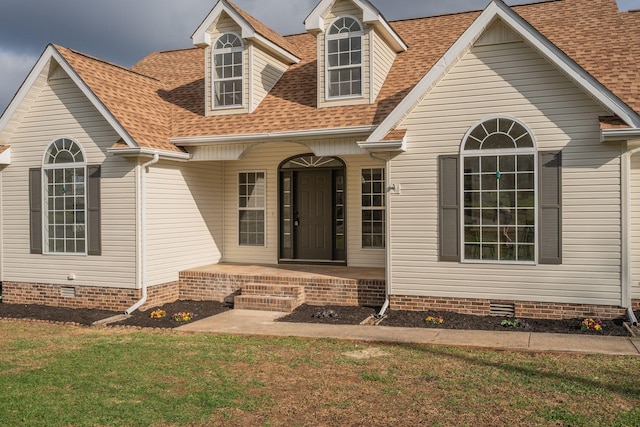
point(35, 210)
point(550, 207)
point(449, 209)
point(94, 232)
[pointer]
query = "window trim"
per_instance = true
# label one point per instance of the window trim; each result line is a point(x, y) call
point(241, 49)
point(263, 209)
point(376, 208)
point(327, 80)
point(533, 151)
point(44, 193)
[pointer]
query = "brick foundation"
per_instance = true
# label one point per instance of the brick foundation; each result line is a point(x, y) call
point(318, 291)
point(200, 286)
point(534, 310)
point(102, 298)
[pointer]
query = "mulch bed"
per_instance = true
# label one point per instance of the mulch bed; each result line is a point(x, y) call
point(199, 309)
point(416, 319)
point(309, 314)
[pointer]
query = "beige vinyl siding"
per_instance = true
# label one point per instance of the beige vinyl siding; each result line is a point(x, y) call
point(342, 8)
point(62, 110)
point(382, 62)
point(224, 24)
point(267, 158)
point(635, 226)
point(266, 71)
point(184, 218)
point(23, 108)
point(510, 79)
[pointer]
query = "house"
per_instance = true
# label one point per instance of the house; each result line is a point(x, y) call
point(480, 162)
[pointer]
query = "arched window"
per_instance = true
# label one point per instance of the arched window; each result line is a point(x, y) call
point(344, 58)
point(65, 172)
point(228, 71)
point(499, 192)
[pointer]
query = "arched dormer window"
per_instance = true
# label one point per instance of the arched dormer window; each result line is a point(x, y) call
point(499, 192)
point(228, 71)
point(344, 58)
point(65, 172)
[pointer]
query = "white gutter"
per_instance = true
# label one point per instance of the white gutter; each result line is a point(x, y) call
point(143, 234)
point(387, 229)
point(626, 234)
point(257, 137)
point(619, 134)
point(383, 146)
point(169, 155)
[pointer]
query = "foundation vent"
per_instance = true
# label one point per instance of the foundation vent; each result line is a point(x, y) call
point(502, 310)
point(67, 292)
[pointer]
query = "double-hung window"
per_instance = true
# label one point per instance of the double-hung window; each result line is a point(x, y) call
point(344, 58)
point(373, 208)
point(251, 208)
point(228, 53)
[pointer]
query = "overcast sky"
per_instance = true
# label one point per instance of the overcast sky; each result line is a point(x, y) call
point(123, 31)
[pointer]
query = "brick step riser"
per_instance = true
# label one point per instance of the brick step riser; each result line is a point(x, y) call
point(273, 290)
point(265, 303)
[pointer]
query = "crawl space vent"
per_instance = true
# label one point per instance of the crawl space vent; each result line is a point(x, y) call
point(68, 292)
point(502, 310)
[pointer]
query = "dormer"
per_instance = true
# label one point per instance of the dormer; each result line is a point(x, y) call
point(244, 59)
point(356, 49)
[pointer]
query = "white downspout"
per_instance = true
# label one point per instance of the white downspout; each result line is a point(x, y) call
point(143, 233)
point(387, 246)
point(626, 234)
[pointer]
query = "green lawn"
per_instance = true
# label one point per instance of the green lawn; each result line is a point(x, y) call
point(52, 375)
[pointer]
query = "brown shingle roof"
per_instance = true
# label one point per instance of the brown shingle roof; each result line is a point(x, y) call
point(136, 101)
point(593, 33)
point(266, 32)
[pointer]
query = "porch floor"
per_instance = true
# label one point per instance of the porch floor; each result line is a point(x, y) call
point(303, 271)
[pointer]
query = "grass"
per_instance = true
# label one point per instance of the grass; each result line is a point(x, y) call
point(63, 375)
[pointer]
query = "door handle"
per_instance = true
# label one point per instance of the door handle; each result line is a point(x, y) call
point(296, 222)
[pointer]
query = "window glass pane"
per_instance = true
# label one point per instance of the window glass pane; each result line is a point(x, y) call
point(472, 165)
point(525, 252)
point(489, 182)
point(472, 251)
point(489, 164)
point(526, 217)
point(507, 181)
point(472, 182)
point(525, 163)
point(471, 200)
point(472, 216)
point(526, 181)
point(507, 163)
point(472, 234)
point(490, 199)
point(525, 142)
point(491, 126)
point(497, 140)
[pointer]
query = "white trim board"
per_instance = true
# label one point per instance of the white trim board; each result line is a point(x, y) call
point(497, 9)
point(51, 53)
point(201, 37)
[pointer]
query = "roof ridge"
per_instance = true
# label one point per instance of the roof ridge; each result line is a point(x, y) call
point(105, 62)
point(464, 12)
point(266, 31)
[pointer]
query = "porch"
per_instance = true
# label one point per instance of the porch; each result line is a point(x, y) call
point(284, 287)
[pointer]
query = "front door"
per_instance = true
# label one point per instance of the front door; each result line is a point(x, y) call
point(312, 215)
point(312, 210)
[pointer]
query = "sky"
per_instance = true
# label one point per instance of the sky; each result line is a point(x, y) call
point(124, 31)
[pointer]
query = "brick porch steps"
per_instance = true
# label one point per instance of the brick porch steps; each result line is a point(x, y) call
point(260, 296)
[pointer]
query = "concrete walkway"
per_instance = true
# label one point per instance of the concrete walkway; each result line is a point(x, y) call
point(249, 322)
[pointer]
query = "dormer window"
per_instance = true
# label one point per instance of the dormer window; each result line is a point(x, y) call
point(344, 58)
point(227, 72)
